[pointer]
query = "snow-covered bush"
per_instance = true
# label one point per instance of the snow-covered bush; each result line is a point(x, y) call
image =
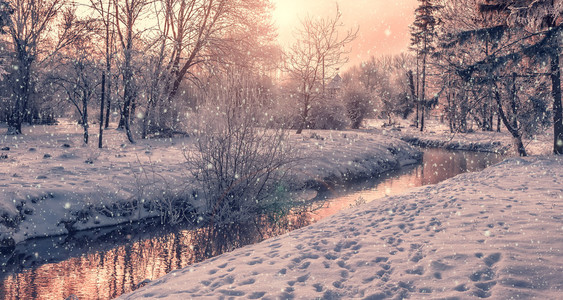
point(357, 107)
point(239, 168)
point(239, 165)
point(170, 198)
point(328, 113)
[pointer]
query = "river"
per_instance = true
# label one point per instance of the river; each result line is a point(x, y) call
point(107, 262)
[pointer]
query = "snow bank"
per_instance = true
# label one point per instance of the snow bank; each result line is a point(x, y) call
point(331, 156)
point(497, 233)
point(53, 184)
point(494, 147)
point(438, 135)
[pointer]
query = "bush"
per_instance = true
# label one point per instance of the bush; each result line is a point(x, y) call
point(357, 107)
point(173, 201)
point(327, 114)
point(238, 167)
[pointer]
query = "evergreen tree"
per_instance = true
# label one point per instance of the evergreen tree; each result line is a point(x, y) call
point(423, 36)
point(543, 19)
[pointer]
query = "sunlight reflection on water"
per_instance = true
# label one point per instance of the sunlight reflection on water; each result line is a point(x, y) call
point(437, 165)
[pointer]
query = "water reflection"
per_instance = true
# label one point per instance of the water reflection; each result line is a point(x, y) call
point(98, 268)
point(106, 263)
point(110, 262)
point(437, 165)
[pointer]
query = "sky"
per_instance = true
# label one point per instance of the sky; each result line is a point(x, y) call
point(383, 24)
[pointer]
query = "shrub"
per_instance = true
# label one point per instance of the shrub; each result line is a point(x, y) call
point(357, 107)
point(239, 168)
point(328, 114)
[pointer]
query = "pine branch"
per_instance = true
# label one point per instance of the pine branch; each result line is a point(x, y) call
point(495, 33)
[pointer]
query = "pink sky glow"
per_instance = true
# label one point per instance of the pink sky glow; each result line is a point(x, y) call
point(383, 23)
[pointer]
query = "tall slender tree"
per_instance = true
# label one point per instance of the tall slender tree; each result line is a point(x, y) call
point(76, 76)
point(103, 9)
point(423, 34)
point(127, 14)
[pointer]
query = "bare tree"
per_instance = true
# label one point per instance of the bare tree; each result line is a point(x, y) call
point(104, 11)
point(240, 168)
point(385, 83)
point(212, 32)
point(329, 44)
point(77, 78)
point(31, 30)
point(127, 14)
point(320, 49)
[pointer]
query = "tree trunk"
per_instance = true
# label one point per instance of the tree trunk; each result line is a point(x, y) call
point(413, 93)
point(102, 102)
point(122, 115)
point(450, 112)
point(128, 130)
point(513, 104)
point(516, 136)
point(85, 117)
point(422, 118)
point(417, 87)
point(417, 110)
point(151, 106)
point(15, 125)
point(423, 89)
point(557, 106)
point(486, 125)
point(108, 106)
point(127, 96)
point(519, 146)
point(304, 115)
point(107, 92)
point(21, 93)
point(85, 126)
point(488, 106)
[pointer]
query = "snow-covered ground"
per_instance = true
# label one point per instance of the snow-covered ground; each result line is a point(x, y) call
point(438, 135)
point(51, 183)
point(493, 234)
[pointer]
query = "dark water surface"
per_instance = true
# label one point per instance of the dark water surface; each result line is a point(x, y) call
point(105, 263)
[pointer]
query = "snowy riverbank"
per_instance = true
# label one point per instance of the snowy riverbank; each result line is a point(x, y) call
point(496, 233)
point(53, 184)
point(438, 135)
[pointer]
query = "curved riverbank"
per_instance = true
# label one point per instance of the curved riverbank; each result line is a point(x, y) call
point(147, 252)
point(53, 187)
point(483, 234)
point(492, 147)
